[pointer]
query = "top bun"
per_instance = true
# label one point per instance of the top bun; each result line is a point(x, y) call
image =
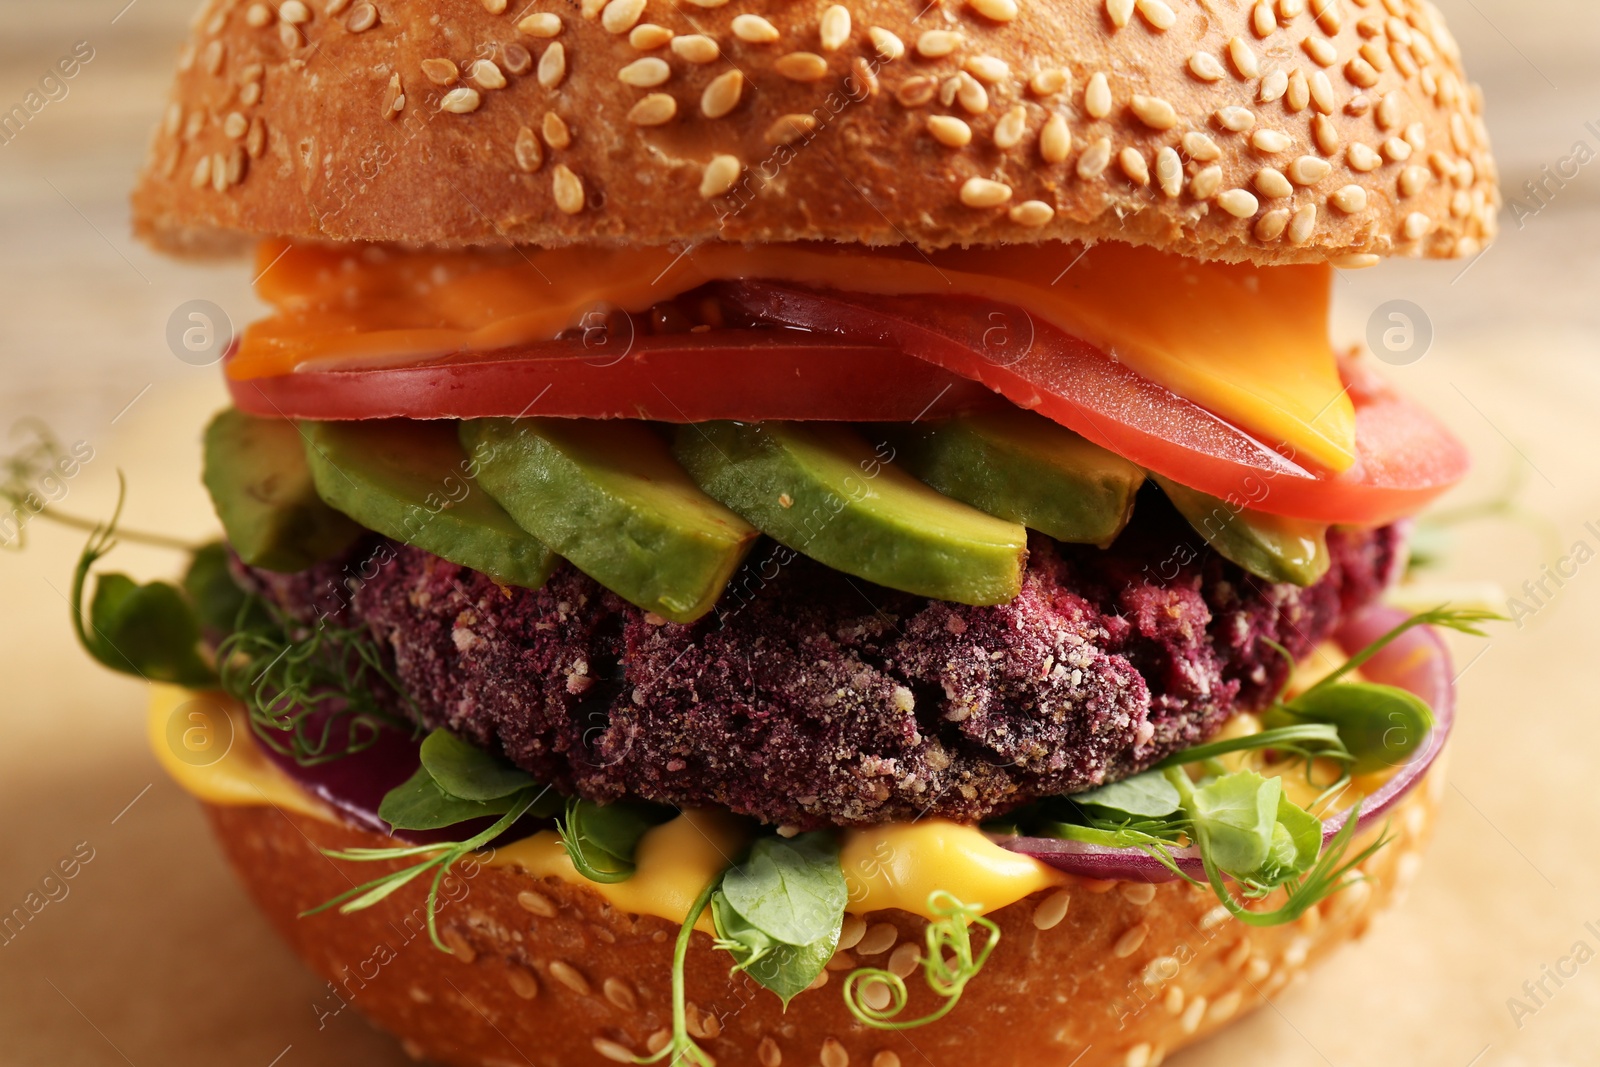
point(1274, 131)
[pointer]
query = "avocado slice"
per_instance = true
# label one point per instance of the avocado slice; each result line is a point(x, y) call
point(823, 490)
point(608, 497)
point(411, 480)
point(1273, 547)
point(259, 481)
point(1021, 466)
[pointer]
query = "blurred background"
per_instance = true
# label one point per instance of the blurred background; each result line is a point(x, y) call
point(153, 956)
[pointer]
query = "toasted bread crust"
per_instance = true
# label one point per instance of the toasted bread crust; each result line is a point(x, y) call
point(546, 972)
point(1273, 131)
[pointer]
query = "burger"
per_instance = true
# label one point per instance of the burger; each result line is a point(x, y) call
point(814, 532)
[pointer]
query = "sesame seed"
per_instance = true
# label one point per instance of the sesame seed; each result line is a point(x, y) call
point(916, 91)
point(522, 982)
point(557, 134)
point(553, 65)
point(1349, 199)
point(1206, 182)
point(1271, 142)
point(1308, 170)
point(877, 939)
point(753, 29)
point(834, 27)
point(1012, 125)
point(1154, 112)
point(458, 945)
point(250, 95)
point(461, 101)
point(889, 46)
point(983, 193)
point(1327, 15)
point(768, 1053)
point(487, 75)
point(1322, 52)
point(1156, 12)
point(612, 1051)
point(722, 94)
point(1388, 116)
point(1303, 225)
point(1237, 119)
point(1361, 158)
point(708, 3)
point(258, 15)
point(647, 36)
point(1055, 140)
point(541, 24)
point(656, 109)
point(1240, 203)
point(834, 1054)
point(996, 10)
point(1137, 1056)
point(1322, 94)
point(1048, 82)
point(1190, 1022)
point(212, 58)
point(1272, 184)
point(202, 173)
point(1173, 1000)
point(1201, 147)
point(1206, 67)
point(255, 142)
point(362, 18)
point(1273, 86)
point(696, 48)
point(1412, 181)
point(646, 73)
point(935, 43)
point(790, 128)
point(235, 126)
point(971, 94)
point(1359, 72)
point(1271, 226)
point(802, 66)
point(1169, 171)
point(720, 175)
point(1298, 94)
point(1097, 96)
point(1356, 261)
point(1140, 893)
point(294, 12)
point(516, 59)
point(560, 970)
point(394, 97)
point(495, 7)
point(988, 69)
point(529, 156)
point(1243, 58)
point(1095, 159)
point(1326, 134)
point(906, 958)
point(1033, 214)
point(1257, 969)
point(440, 71)
point(1134, 936)
point(886, 1059)
point(1119, 12)
point(949, 130)
point(620, 16)
point(1262, 21)
point(1134, 166)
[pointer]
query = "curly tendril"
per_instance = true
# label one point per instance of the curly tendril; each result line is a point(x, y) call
point(948, 965)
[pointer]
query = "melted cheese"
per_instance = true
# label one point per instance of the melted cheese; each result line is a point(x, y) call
point(894, 866)
point(1247, 343)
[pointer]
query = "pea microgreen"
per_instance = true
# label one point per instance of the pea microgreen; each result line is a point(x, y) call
point(601, 838)
point(948, 964)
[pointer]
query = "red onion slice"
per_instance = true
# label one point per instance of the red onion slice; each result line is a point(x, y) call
point(1416, 661)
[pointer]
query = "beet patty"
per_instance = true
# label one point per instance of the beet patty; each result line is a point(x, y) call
point(810, 698)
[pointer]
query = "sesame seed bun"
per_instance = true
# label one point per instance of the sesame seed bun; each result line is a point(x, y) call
point(1274, 131)
point(547, 973)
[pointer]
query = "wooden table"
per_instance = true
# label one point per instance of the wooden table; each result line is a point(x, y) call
point(154, 957)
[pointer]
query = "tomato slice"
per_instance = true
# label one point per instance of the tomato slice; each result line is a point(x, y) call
point(1405, 457)
point(746, 374)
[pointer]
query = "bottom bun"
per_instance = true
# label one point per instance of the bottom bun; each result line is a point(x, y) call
point(545, 972)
